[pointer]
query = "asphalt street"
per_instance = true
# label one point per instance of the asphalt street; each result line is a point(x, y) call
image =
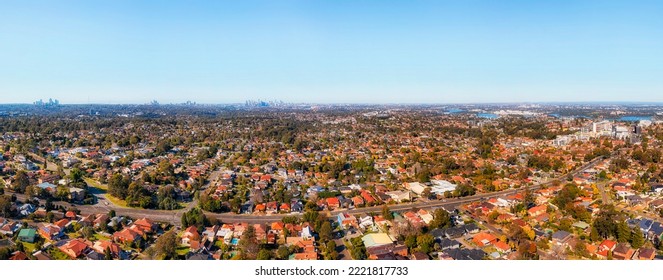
point(174, 217)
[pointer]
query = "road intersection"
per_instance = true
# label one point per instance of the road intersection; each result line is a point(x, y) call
point(174, 216)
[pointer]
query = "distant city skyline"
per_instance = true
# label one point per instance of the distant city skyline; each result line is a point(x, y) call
point(128, 52)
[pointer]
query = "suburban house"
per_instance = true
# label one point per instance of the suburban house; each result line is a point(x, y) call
point(482, 239)
point(27, 235)
point(18, 256)
point(26, 209)
point(537, 210)
point(376, 239)
point(9, 228)
point(623, 251)
point(272, 207)
point(99, 220)
point(561, 237)
point(646, 253)
point(399, 196)
point(346, 220)
point(284, 208)
point(426, 216)
point(277, 227)
point(48, 187)
point(387, 252)
point(365, 221)
point(127, 235)
point(447, 244)
point(606, 247)
point(145, 225)
point(305, 256)
point(332, 203)
point(76, 194)
point(74, 248)
point(102, 245)
point(50, 232)
point(502, 247)
point(209, 233)
point(415, 187)
point(190, 235)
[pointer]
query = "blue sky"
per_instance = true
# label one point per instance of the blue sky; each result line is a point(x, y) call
point(331, 51)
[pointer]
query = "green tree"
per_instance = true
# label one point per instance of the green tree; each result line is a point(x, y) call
point(411, 241)
point(594, 235)
point(107, 254)
point(441, 219)
point(606, 222)
point(76, 176)
point(637, 240)
point(33, 191)
point(166, 246)
point(21, 181)
point(581, 249)
point(166, 198)
point(248, 244)
point(87, 232)
point(118, 186)
point(282, 253)
point(567, 195)
point(330, 250)
point(194, 217)
point(386, 213)
point(423, 175)
point(264, 254)
point(62, 193)
point(5, 253)
point(358, 251)
point(623, 232)
point(485, 147)
point(5, 205)
point(425, 243)
point(426, 193)
point(325, 232)
point(50, 217)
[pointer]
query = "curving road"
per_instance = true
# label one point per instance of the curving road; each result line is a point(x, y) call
point(174, 217)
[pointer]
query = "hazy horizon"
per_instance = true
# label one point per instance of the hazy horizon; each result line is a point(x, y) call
point(369, 52)
point(582, 103)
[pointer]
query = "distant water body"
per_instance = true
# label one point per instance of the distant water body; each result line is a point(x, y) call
point(454, 111)
point(487, 115)
point(635, 118)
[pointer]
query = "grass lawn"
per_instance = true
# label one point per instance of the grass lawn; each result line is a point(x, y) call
point(104, 189)
point(219, 243)
point(96, 184)
point(99, 236)
point(56, 254)
point(29, 247)
point(489, 249)
point(117, 201)
point(182, 250)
